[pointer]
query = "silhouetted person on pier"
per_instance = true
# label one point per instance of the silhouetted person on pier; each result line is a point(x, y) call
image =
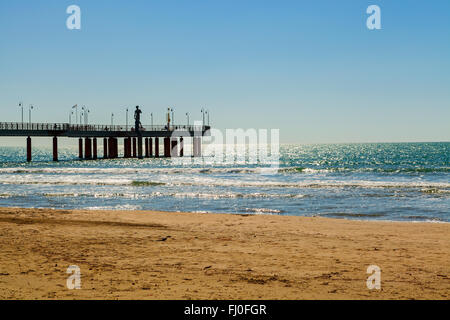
point(168, 119)
point(137, 118)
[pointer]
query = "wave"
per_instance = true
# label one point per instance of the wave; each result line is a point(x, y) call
point(146, 183)
point(362, 170)
point(426, 187)
point(131, 195)
point(227, 170)
point(353, 215)
point(126, 207)
point(264, 210)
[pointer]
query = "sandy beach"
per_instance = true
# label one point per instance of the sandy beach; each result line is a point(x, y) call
point(162, 255)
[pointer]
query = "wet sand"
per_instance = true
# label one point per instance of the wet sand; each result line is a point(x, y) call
point(162, 255)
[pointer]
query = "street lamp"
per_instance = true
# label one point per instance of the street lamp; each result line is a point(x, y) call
point(86, 115)
point(126, 127)
point(187, 116)
point(173, 118)
point(29, 113)
point(207, 112)
point(112, 120)
point(203, 117)
point(21, 106)
point(151, 117)
point(76, 113)
point(70, 117)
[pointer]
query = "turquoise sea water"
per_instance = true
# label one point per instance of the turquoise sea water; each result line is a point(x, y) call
point(387, 181)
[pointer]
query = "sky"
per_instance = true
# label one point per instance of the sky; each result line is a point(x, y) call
point(309, 68)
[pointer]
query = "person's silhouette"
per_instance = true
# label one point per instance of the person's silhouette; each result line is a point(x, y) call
point(137, 119)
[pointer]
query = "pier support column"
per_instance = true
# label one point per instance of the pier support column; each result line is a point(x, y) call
point(115, 148)
point(174, 147)
point(125, 148)
point(197, 142)
point(94, 148)
point(80, 148)
point(55, 149)
point(181, 147)
point(88, 148)
point(29, 149)
point(134, 147)
point(156, 147)
point(150, 147)
point(129, 147)
point(105, 148)
point(167, 147)
point(146, 148)
point(139, 142)
point(111, 148)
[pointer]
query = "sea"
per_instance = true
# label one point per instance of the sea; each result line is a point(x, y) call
point(367, 181)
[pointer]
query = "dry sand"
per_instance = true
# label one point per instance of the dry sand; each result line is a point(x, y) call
point(160, 255)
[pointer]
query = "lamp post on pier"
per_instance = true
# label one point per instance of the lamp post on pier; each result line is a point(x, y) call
point(126, 121)
point(21, 106)
point(76, 113)
point(203, 117)
point(31, 107)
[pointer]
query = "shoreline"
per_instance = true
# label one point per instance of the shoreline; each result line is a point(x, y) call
point(250, 214)
point(182, 255)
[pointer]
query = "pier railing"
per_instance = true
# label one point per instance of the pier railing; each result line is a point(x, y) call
point(19, 126)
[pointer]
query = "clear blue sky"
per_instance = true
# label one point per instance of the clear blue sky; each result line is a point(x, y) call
point(310, 68)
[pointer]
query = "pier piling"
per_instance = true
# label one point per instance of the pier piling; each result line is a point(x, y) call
point(196, 141)
point(55, 149)
point(105, 148)
point(29, 149)
point(125, 148)
point(110, 148)
point(139, 141)
point(94, 148)
point(181, 147)
point(150, 146)
point(88, 148)
point(156, 147)
point(146, 148)
point(134, 147)
point(174, 147)
point(167, 147)
point(80, 148)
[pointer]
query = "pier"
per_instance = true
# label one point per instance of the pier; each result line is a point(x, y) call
point(140, 144)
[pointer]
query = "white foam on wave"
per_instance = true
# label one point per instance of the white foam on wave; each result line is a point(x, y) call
point(431, 187)
point(118, 207)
